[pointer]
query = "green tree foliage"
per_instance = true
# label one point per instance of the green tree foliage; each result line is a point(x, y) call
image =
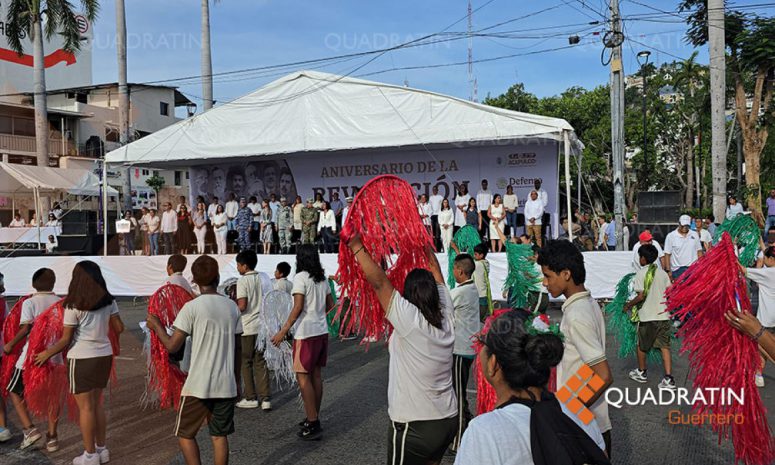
point(750, 41)
point(156, 183)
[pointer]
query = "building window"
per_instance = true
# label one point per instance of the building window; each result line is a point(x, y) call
point(187, 176)
point(6, 125)
point(145, 172)
point(164, 108)
point(111, 134)
point(24, 127)
point(80, 98)
point(177, 178)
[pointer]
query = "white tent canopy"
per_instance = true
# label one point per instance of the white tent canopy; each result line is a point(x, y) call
point(311, 111)
point(15, 177)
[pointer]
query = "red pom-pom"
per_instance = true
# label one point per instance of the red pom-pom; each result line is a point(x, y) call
point(384, 214)
point(45, 386)
point(719, 355)
point(10, 328)
point(485, 393)
point(165, 379)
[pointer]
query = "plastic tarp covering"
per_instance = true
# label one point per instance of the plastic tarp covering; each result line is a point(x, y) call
point(14, 177)
point(311, 111)
point(141, 276)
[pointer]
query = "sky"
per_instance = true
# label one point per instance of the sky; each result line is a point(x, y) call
point(164, 42)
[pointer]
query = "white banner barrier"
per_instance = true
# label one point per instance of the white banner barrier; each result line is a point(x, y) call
point(141, 276)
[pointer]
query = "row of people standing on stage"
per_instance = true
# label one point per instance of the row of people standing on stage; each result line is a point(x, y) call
point(485, 211)
point(274, 225)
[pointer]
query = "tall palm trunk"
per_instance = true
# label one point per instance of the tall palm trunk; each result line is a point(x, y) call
point(39, 93)
point(690, 172)
point(207, 61)
point(123, 97)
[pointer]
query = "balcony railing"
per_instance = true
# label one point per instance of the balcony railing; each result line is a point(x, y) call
point(28, 144)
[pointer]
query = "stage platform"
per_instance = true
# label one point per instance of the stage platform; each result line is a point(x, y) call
point(141, 275)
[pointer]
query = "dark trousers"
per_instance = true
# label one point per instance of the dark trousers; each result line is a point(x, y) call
point(329, 240)
point(461, 369)
point(511, 219)
point(168, 243)
point(484, 231)
point(436, 231)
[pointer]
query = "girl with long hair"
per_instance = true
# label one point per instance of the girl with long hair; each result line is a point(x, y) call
point(221, 229)
point(473, 215)
point(307, 321)
point(421, 400)
point(90, 312)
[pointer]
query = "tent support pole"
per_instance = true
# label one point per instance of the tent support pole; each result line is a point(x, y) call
point(566, 140)
point(36, 198)
point(104, 208)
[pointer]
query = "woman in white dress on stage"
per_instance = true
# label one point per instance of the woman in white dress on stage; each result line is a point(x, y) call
point(497, 216)
point(446, 223)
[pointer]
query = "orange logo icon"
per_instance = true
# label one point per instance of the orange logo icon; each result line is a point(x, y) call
point(578, 390)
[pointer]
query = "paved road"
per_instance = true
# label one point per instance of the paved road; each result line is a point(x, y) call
point(354, 419)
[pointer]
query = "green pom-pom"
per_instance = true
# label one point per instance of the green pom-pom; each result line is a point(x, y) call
point(619, 324)
point(745, 233)
point(333, 323)
point(523, 277)
point(466, 238)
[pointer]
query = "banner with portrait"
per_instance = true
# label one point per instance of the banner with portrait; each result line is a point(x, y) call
point(306, 175)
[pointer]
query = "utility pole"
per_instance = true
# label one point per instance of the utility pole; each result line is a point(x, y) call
point(718, 105)
point(123, 97)
point(617, 120)
point(471, 79)
point(207, 60)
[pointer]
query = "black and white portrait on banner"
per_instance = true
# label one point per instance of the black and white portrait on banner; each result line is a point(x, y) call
point(254, 178)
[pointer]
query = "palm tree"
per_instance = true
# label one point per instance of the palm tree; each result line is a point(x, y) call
point(25, 18)
point(207, 60)
point(123, 97)
point(688, 79)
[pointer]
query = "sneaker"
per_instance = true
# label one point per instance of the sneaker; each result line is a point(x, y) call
point(638, 375)
point(759, 379)
point(30, 437)
point(104, 454)
point(244, 403)
point(5, 434)
point(311, 431)
point(667, 383)
point(87, 459)
point(52, 443)
point(266, 405)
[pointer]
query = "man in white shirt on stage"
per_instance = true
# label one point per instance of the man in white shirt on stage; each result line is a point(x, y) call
point(483, 201)
point(169, 226)
point(544, 197)
point(346, 208)
point(212, 208)
point(435, 203)
point(231, 209)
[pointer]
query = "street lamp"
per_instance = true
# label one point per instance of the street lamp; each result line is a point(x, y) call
point(643, 60)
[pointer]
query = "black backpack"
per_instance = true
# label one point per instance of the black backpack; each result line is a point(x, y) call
point(555, 439)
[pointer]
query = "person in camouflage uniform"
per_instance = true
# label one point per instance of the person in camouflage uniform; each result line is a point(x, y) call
point(309, 223)
point(244, 222)
point(284, 225)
